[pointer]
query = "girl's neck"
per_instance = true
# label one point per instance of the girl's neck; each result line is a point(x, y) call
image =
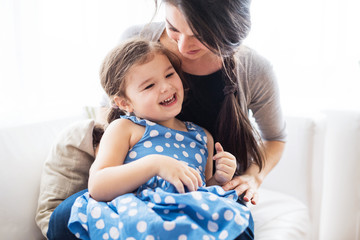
point(205, 65)
point(173, 123)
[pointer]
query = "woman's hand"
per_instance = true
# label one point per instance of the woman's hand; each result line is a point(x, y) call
point(178, 173)
point(225, 165)
point(246, 185)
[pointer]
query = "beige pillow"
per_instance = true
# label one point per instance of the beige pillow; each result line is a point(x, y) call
point(66, 169)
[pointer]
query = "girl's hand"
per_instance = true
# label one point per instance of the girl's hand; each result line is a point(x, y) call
point(178, 173)
point(245, 184)
point(225, 165)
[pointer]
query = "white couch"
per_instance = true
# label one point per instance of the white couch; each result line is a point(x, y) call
point(289, 198)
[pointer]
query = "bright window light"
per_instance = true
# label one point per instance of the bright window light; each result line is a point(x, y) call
point(51, 51)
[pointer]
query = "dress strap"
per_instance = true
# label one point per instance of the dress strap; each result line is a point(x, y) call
point(137, 120)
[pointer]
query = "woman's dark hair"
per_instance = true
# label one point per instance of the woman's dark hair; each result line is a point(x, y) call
point(222, 25)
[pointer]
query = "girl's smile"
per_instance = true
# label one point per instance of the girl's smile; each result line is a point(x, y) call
point(154, 90)
point(169, 101)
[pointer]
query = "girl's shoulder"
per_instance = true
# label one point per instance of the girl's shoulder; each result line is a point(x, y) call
point(194, 127)
point(125, 128)
point(121, 123)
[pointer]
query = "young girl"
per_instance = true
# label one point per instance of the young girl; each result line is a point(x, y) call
point(148, 180)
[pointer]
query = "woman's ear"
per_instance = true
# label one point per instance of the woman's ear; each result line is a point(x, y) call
point(124, 104)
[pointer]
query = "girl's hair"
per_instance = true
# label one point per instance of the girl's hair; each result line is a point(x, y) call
point(118, 63)
point(222, 25)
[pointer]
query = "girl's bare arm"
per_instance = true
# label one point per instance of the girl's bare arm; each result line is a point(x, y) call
point(109, 177)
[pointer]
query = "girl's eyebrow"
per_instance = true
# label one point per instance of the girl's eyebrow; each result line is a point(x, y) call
point(142, 84)
point(150, 79)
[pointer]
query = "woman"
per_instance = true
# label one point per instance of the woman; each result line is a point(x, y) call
point(224, 78)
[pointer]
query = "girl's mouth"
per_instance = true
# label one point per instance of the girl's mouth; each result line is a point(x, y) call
point(169, 101)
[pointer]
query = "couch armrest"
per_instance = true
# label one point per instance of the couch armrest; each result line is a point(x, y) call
point(300, 170)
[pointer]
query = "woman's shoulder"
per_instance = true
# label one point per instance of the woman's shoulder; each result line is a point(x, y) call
point(151, 31)
point(249, 56)
point(254, 68)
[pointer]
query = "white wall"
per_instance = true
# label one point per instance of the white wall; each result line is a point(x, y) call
point(314, 46)
point(51, 50)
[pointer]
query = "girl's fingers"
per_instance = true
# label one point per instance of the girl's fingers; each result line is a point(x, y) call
point(225, 168)
point(224, 155)
point(197, 175)
point(218, 147)
point(191, 179)
point(190, 182)
point(178, 185)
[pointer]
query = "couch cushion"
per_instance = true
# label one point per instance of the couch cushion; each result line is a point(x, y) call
point(23, 150)
point(66, 169)
point(280, 216)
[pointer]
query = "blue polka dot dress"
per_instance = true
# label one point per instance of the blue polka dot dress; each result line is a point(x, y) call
point(156, 210)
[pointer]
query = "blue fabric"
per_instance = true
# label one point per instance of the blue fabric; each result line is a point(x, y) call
point(157, 210)
point(58, 229)
point(248, 234)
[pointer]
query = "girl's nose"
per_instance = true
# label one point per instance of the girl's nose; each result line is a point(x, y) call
point(165, 87)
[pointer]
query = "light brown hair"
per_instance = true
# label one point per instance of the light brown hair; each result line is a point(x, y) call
point(118, 62)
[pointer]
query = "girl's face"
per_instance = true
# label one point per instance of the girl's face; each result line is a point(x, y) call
point(154, 90)
point(179, 31)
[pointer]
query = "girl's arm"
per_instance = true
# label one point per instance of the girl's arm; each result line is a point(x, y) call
point(109, 177)
point(209, 162)
point(251, 180)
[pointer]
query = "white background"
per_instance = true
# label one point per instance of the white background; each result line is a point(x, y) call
point(51, 50)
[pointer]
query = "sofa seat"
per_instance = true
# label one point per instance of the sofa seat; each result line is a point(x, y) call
point(24, 149)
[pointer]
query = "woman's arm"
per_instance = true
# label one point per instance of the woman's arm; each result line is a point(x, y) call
point(263, 98)
point(251, 180)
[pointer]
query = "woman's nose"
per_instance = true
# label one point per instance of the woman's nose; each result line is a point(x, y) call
point(183, 43)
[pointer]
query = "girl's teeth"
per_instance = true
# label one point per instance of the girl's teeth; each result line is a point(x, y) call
point(169, 100)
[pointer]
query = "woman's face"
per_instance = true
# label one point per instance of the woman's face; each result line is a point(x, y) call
point(179, 31)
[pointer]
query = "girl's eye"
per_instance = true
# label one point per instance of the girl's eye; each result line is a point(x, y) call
point(149, 86)
point(169, 75)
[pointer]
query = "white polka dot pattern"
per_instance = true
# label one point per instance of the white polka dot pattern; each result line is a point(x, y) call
point(156, 210)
